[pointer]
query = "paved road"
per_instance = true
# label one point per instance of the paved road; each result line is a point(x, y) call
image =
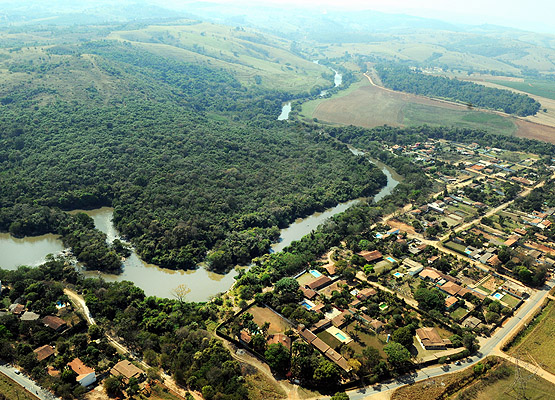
point(487, 346)
point(27, 383)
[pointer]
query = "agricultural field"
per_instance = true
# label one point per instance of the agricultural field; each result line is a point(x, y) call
point(370, 106)
point(538, 345)
point(537, 87)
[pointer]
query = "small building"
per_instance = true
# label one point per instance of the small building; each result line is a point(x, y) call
point(309, 293)
point(319, 283)
point(429, 273)
point(377, 325)
point(413, 267)
point(55, 323)
point(450, 288)
point(245, 337)
point(338, 359)
point(341, 319)
point(430, 340)
point(514, 289)
point(371, 256)
point(280, 338)
point(471, 322)
point(85, 375)
point(324, 323)
point(450, 301)
point(366, 293)
point(127, 370)
point(307, 335)
point(17, 309)
point(44, 352)
point(320, 345)
point(30, 316)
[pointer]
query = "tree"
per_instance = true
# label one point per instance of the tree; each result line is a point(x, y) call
point(208, 392)
point(326, 373)
point(430, 299)
point(404, 336)
point(113, 385)
point(340, 396)
point(181, 292)
point(397, 354)
point(277, 357)
point(286, 285)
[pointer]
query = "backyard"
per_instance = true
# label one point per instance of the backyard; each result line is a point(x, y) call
point(263, 314)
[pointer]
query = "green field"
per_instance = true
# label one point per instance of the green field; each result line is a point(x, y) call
point(539, 344)
point(459, 248)
point(511, 301)
point(418, 114)
point(12, 390)
point(539, 88)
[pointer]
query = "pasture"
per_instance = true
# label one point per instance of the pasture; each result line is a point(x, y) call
point(539, 343)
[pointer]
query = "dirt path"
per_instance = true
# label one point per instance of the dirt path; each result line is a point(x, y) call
point(244, 357)
point(169, 382)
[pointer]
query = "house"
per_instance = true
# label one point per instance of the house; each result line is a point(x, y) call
point(429, 273)
point(29, 316)
point(324, 323)
point(320, 345)
point(331, 268)
point(338, 359)
point(85, 375)
point(450, 288)
point(319, 283)
point(53, 372)
point(284, 340)
point(44, 352)
point(430, 340)
point(377, 325)
point(371, 256)
point(521, 231)
point(245, 337)
point(413, 267)
point(494, 261)
point(55, 323)
point(17, 309)
point(307, 335)
point(450, 301)
point(341, 319)
point(515, 289)
point(484, 259)
point(309, 293)
point(366, 293)
point(511, 241)
point(127, 370)
point(471, 322)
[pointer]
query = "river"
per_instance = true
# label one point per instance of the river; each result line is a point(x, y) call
point(156, 281)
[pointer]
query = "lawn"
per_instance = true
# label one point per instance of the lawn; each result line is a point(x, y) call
point(539, 344)
point(458, 314)
point(455, 246)
point(328, 338)
point(12, 390)
point(361, 339)
point(263, 314)
point(511, 301)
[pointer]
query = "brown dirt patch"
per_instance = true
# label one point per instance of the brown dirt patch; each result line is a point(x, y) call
point(532, 130)
point(401, 226)
point(261, 315)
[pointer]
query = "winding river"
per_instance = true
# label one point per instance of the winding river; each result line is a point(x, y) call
point(156, 281)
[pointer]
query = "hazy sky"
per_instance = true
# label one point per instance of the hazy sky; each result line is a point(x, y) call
point(535, 15)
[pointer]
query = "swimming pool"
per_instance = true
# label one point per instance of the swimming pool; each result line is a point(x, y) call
point(315, 273)
point(398, 275)
point(498, 296)
point(391, 259)
point(340, 336)
point(307, 304)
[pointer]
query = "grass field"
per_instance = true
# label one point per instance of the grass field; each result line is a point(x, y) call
point(511, 301)
point(455, 246)
point(262, 315)
point(369, 106)
point(12, 390)
point(539, 344)
point(261, 388)
point(365, 340)
point(537, 87)
point(458, 314)
point(505, 388)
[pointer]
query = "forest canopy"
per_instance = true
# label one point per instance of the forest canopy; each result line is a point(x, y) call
point(404, 79)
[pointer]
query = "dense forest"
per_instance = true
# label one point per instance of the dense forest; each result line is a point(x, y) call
point(190, 159)
point(404, 79)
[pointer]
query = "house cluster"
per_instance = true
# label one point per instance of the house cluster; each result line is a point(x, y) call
point(51, 321)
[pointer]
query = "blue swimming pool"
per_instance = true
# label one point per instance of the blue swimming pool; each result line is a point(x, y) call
point(397, 275)
point(391, 259)
point(315, 273)
point(340, 336)
point(498, 296)
point(306, 305)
